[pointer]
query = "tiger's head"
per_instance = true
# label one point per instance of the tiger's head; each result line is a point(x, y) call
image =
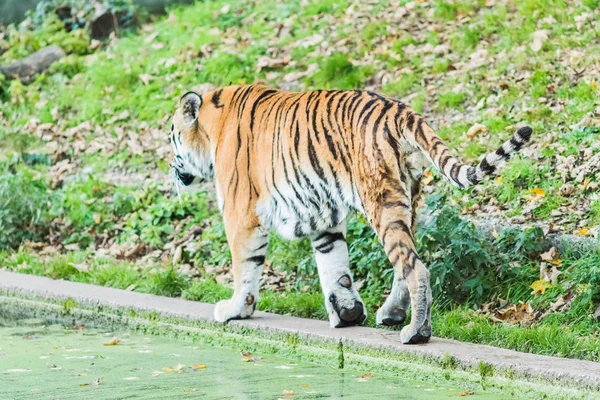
point(190, 138)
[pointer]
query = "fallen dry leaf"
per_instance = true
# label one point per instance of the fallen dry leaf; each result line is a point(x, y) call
point(538, 40)
point(475, 130)
point(198, 366)
point(562, 304)
point(288, 392)
point(466, 393)
point(515, 314)
point(549, 274)
point(551, 256)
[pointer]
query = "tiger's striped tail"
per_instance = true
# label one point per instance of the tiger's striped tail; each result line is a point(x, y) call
point(458, 173)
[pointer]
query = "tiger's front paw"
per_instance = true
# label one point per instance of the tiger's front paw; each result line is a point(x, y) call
point(234, 308)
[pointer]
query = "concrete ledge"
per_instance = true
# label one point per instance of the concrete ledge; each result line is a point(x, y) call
point(574, 378)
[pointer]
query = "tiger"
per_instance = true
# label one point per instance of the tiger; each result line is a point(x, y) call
point(299, 163)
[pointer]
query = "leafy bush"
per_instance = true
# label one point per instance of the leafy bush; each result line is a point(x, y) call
point(77, 14)
point(23, 207)
point(22, 43)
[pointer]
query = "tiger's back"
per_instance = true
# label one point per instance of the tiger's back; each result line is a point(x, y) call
point(306, 155)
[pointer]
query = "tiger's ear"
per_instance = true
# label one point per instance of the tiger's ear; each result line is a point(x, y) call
point(190, 104)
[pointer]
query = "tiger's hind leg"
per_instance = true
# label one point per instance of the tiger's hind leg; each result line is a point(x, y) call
point(248, 249)
point(343, 303)
point(393, 311)
point(391, 216)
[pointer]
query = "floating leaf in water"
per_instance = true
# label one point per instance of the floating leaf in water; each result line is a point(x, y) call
point(95, 382)
point(247, 357)
point(176, 368)
point(113, 342)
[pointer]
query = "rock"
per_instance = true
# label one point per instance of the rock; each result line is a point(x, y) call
point(34, 64)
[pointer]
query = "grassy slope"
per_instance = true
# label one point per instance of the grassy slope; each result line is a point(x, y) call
point(432, 65)
point(459, 63)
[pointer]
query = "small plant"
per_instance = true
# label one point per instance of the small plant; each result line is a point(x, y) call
point(167, 283)
point(337, 72)
point(68, 305)
point(485, 371)
point(448, 362)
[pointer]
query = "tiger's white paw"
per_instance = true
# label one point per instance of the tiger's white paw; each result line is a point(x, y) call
point(345, 308)
point(234, 308)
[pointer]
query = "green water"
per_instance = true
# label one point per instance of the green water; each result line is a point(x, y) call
point(44, 361)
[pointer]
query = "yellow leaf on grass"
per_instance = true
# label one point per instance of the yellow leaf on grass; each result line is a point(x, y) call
point(113, 342)
point(535, 194)
point(540, 286)
point(538, 192)
point(498, 180)
point(288, 392)
point(198, 366)
point(582, 232)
